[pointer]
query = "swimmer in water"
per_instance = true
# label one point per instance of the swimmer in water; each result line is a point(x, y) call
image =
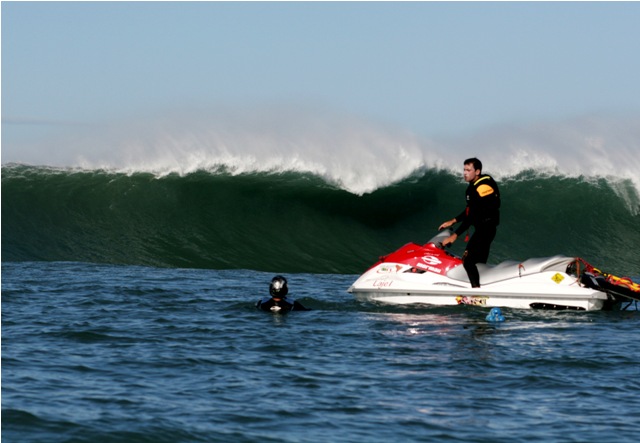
point(278, 301)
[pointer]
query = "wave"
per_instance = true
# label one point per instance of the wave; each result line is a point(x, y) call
point(293, 221)
point(348, 152)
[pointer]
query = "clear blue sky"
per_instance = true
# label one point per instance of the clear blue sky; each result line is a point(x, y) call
point(430, 68)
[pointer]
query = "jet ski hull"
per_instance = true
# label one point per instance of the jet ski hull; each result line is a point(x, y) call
point(427, 274)
point(530, 293)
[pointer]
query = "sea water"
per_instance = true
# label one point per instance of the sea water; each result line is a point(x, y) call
point(299, 222)
point(129, 291)
point(114, 353)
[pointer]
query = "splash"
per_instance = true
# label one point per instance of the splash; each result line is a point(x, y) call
point(349, 153)
point(353, 154)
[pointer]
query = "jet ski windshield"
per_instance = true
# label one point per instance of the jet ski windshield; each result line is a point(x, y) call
point(440, 237)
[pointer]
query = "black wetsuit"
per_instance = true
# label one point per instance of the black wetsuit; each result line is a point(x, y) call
point(483, 213)
point(282, 305)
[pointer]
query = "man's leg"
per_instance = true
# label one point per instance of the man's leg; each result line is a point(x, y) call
point(478, 252)
point(472, 272)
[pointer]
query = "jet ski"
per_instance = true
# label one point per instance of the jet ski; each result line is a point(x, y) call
point(429, 274)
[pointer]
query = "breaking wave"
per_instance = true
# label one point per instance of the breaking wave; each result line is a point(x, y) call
point(298, 221)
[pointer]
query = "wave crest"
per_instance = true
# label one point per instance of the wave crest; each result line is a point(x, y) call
point(355, 155)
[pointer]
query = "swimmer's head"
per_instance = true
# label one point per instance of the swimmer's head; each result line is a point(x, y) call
point(278, 287)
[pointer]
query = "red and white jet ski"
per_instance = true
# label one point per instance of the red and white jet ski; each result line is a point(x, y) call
point(430, 275)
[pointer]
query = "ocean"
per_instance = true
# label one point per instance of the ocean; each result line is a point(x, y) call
point(297, 221)
point(115, 353)
point(128, 311)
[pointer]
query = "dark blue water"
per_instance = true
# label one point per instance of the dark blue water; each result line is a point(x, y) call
point(104, 353)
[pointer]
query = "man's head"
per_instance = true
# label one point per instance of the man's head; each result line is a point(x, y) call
point(278, 287)
point(472, 169)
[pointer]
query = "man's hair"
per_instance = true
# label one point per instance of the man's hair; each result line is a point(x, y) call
point(477, 164)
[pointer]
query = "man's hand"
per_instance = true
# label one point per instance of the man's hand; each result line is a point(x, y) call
point(446, 224)
point(449, 240)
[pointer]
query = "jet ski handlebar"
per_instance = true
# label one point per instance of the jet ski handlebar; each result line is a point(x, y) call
point(440, 237)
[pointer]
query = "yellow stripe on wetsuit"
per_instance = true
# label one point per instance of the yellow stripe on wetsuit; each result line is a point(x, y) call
point(483, 190)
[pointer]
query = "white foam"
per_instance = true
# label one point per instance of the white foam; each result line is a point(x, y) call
point(590, 147)
point(357, 155)
point(354, 155)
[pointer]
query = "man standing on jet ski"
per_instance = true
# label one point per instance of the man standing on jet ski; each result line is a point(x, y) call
point(482, 212)
point(278, 290)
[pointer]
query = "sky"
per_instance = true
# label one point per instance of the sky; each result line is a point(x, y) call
point(430, 69)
